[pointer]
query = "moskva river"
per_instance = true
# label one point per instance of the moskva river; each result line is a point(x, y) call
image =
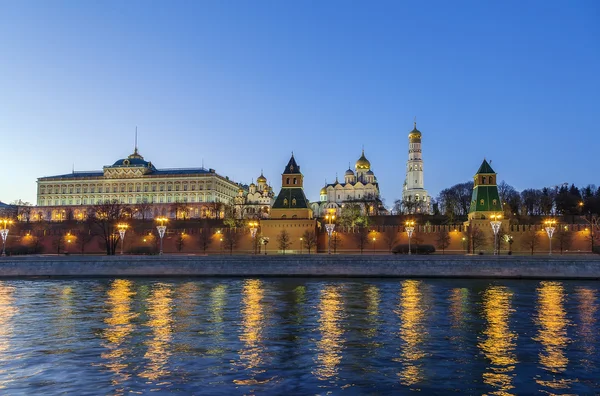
point(298, 336)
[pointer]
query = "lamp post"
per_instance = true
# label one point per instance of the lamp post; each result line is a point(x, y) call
point(265, 241)
point(496, 223)
point(550, 227)
point(122, 227)
point(253, 230)
point(4, 233)
point(329, 226)
point(301, 239)
point(410, 228)
point(161, 231)
point(374, 239)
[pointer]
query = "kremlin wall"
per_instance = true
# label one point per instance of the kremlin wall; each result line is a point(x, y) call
point(206, 213)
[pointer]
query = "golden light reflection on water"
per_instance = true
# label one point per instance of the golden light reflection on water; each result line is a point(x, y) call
point(412, 332)
point(330, 346)
point(218, 301)
point(459, 299)
point(587, 314)
point(499, 343)
point(373, 300)
point(119, 327)
point(160, 313)
point(253, 325)
point(7, 311)
point(552, 333)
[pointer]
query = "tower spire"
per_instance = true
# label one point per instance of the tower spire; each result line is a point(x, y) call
point(135, 149)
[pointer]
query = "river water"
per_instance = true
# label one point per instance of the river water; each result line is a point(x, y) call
point(298, 336)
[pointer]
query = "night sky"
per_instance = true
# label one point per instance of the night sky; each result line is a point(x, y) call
point(240, 85)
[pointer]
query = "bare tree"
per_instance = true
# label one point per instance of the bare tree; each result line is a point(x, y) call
point(335, 241)
point(231, 238)
point(309, 240)
point(105, 217)
point(144, 210)
point(530, 240)
point(390, 238)
point(180, 209)
point(475, 237)
point(284, 241)
point(362, 238)
point(83, 235)
point(443, 240)
point(564, 238)
point(180, 241)
point(205, 238)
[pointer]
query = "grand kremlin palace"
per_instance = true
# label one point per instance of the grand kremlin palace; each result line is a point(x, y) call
point(133, 180)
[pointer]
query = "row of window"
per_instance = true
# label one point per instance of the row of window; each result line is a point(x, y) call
point(128, 200)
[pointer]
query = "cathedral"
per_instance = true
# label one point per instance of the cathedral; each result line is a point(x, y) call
point(256, 201)
point(414, 196)
point(360, 186)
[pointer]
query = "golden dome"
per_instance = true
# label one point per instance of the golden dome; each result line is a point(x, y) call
point(363, 163)
point(415, 134)
point(261, 179)
point(323, 191)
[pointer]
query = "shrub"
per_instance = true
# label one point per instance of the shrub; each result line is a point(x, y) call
point(142, 250)
point(415, 249)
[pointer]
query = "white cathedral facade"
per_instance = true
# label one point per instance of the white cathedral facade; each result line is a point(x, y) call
point(414, 196)
point(359, 187)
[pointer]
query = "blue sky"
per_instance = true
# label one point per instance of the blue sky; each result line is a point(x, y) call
point(240, 84)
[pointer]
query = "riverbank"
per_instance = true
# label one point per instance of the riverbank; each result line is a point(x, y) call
point(507, 267)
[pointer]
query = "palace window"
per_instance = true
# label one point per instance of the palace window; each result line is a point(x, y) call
point(78, 190)
point(162, 188)
point(138, 188)
point(185, 187)
point(177, 187)
point(169, 187)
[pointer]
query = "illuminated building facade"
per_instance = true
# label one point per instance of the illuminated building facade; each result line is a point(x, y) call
point(134, 181)
point(256, 201)
point(360, 187)
point(414, 196)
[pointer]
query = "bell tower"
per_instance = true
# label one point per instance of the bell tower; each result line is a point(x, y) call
point(414, 190)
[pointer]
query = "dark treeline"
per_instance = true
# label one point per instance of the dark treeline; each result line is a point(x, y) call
point(559, 200)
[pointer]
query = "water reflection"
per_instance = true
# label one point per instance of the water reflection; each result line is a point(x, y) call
point(160, 322)
point(373, 300)
point(412, 332)
point(587, 329)
point(218, 300)
point(499, 343)
point(459, 299)
point(331, 344)
point(119, 327)
point(552, 333)
point(7, 312)
point(253, 325)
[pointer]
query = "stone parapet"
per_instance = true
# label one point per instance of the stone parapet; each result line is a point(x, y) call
point(575, 267)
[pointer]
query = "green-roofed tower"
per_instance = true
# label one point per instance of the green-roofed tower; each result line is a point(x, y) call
point(485, 200)
point(291, 203)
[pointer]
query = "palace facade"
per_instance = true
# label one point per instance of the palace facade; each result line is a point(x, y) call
point(359, 187)
point(132, 181)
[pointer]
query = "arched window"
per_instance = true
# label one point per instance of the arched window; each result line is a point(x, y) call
point(287, 181)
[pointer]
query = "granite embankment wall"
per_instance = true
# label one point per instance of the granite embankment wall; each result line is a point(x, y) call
point(586, 267)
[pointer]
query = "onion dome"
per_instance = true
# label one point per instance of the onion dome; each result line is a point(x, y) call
point(370, 173)
point(323, 191)
point(363, 163)
point(261, 178)
point(349, 172)
point(241, 190)
point(415, 134)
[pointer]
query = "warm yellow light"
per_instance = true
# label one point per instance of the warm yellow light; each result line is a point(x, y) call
point(161, 220)
point(410, 223)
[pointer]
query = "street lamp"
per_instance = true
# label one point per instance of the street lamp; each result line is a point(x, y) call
point(329, 226)
point(374, 239)
point(161, 231)
point(253, 230)
point(4, 233)
point(122, 227)
point(496, 223)
point(301, 239)
point(410, 228)
point(550, 227)
point(265, 241)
